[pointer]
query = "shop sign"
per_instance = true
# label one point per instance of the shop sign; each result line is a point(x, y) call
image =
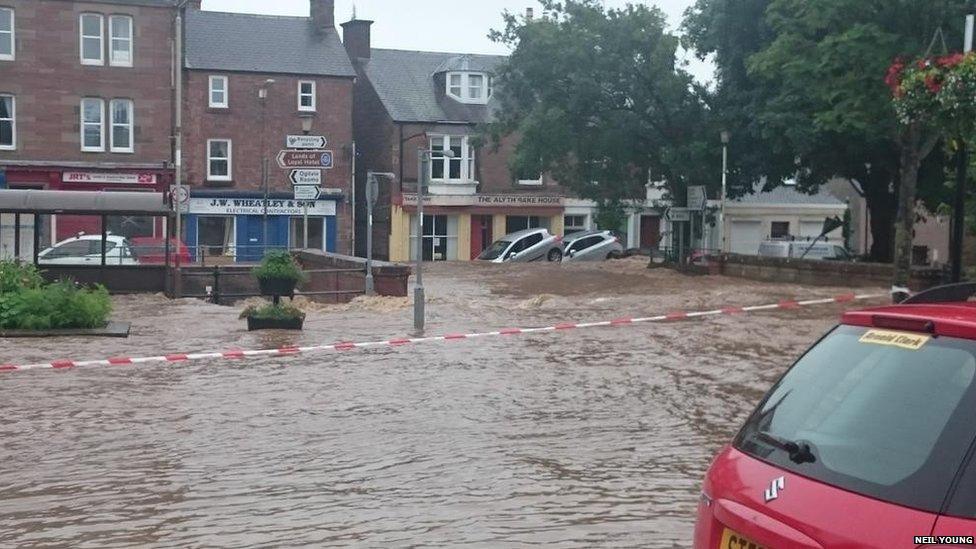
point(111, 178)
point(255, 206)
point(490, 200)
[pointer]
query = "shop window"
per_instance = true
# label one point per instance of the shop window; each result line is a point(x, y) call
point(218, 92)
point(440, 237)
point(306, 95)
point(574, 224)
point(8, 50)
point(469, 87)
point(8, 122)
point(219, 159)
point(92, 125)
point(316, 233)
point(779, 229)
point(459, 167)
point(122, 124)
point(216, 236)
point(515, 223)
point(120, 44)
point(91, 35)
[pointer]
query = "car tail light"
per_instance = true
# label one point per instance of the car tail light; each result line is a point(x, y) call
point(904, 324)
point(559, 238)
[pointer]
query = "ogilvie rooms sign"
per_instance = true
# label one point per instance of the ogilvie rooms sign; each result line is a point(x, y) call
point(510, 200)
point(255, 206)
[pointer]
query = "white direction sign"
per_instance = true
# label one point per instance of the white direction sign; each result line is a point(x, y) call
point(305, 141)
point(306, 192)
point(306, 177)
point(678, 215)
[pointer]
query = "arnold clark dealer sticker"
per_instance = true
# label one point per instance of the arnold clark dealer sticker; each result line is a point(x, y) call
point(903, 340)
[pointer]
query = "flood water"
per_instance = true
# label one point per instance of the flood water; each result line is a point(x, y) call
point(594, 438)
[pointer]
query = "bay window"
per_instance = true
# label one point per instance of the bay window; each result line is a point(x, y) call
point(469, 87)
point(92, 125)
point(120, 45)
point(121, 136)
point(459, 167)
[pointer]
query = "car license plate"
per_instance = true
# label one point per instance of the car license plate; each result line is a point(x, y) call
point(735, 540)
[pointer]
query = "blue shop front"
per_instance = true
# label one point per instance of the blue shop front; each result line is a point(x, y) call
point(229, 226)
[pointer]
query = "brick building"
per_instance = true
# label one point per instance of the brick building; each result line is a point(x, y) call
point(86, 102)
point(249, 82)
point(410, 100)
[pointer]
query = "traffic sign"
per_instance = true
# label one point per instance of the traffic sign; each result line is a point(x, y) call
point(372, 190)
point(306, 141)
point(306, 177)
point(184, 193)
point(697, 199)
point(678, 215)
point(306, 192)
point(305, 159)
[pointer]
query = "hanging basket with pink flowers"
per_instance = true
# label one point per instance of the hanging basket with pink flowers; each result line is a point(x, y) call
point(938, 91)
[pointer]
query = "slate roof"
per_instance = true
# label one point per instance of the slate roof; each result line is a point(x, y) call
point(263, 43)
point(404, 81)
point(788, 195)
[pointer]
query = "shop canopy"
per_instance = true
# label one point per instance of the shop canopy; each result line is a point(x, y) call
point(84, 202)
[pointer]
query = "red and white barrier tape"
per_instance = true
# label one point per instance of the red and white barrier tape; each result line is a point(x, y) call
point(348, 345)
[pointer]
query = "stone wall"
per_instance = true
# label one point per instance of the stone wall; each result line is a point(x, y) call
point(820, 273)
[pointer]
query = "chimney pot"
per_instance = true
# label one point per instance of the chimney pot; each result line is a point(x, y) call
point(529, 13)
point(194, 4)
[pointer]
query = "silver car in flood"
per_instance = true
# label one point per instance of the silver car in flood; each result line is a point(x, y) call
point(525, 246)
point(592, 246)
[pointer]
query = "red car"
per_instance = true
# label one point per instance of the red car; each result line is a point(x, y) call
point(151, 250)
point(869, 440)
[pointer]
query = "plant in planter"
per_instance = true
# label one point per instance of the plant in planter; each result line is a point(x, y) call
point(278, 275)
point(280, 316)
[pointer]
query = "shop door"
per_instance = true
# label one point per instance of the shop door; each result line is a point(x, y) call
point(481, 234)
point(650, 231)
point(252, 247)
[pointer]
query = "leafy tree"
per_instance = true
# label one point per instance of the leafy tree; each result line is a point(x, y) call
point(803, 83)
point(597, 99)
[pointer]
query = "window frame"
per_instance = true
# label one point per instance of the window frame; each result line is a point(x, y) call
point(13, 122)
point(467, 159)
point(13, 35)
point(773, 225)
point(101, 125)
point(131, 126)
point(131, 39)
point(312, 95)
point(101, 39)
point(210, 91)
point(485, 89)
point(229, 159)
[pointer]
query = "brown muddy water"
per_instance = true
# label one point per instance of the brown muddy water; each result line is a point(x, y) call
point(594, 438)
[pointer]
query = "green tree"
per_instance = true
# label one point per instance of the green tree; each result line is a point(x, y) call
point(803, 82)
point(597, 99)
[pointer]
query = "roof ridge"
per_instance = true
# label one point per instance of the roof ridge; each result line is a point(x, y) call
point(254, 15)
point(455, 53)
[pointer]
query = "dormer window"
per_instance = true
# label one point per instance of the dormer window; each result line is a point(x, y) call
point(469, 87)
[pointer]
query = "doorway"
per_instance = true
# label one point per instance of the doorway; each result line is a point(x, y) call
point(650, 232)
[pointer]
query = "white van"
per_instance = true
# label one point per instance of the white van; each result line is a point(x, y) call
point(804, 249)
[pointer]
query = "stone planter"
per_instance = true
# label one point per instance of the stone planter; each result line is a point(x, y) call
point(274, 323)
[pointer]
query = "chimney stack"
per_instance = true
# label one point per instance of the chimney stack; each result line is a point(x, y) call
point(529, 13)
point(194, 4)
point(322, 13)
point(356, 38)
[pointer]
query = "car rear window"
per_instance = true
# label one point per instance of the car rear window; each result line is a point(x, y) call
point(883, 416)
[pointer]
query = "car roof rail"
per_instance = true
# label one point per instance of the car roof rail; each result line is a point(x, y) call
point(949, 293)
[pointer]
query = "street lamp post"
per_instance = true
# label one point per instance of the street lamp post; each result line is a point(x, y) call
point(306, 128)
point(726, 137)
point(423, 164)
point(263, 96)
point(372, 193)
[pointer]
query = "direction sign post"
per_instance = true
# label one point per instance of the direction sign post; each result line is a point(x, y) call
point(317, 159)
point(678, 215)
point(697, 199)
point(306, 142)
point(306, 192)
